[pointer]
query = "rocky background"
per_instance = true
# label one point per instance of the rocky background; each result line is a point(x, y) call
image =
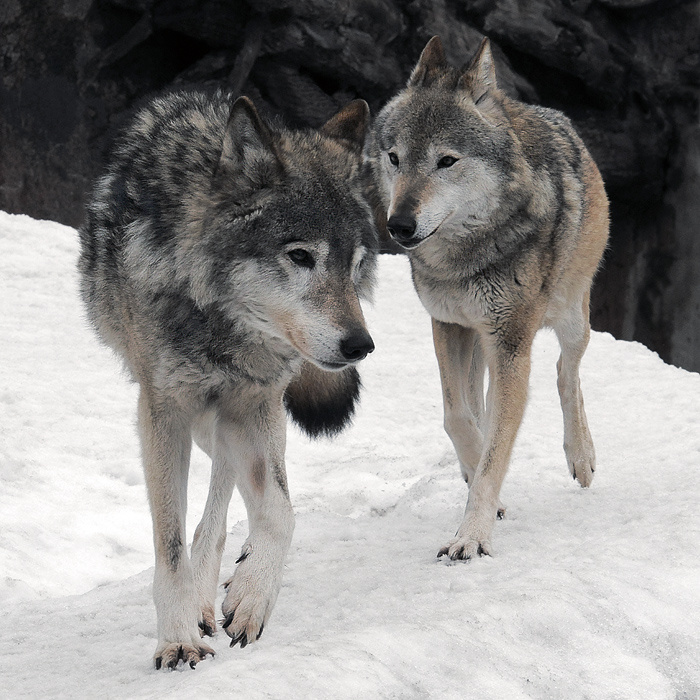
point(626, 71)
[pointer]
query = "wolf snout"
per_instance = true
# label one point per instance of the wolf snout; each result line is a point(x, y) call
point(357, 345)
point(402, 227)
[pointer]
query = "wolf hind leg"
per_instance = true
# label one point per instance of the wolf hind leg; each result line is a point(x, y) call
point(166, 443)
point(256, 444)
point(210, 535)
point(573, 332)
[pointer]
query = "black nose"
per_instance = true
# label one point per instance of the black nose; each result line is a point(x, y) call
point(401, 227)
point(357, 345)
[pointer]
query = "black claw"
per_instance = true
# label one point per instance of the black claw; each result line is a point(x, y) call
point(159, 663)
point(242, 557)
point(227, 620)
point(244, 641)
point(193, 663)
point(262, 627)
point(206, 628)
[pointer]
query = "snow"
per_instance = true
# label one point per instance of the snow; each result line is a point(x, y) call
point(591, 593)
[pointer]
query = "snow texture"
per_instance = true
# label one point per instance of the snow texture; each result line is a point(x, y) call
point(591, 593)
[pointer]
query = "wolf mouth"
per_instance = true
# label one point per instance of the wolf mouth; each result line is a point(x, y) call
point(334, 366)
point(411, 244)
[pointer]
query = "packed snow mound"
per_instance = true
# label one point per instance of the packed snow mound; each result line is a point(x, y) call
point(591, 593)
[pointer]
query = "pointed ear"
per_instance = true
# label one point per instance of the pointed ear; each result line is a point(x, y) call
point(480, 76)
point(247, 139)
point(349, 125)
point(432, 60)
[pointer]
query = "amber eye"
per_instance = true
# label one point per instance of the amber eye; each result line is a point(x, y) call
point(447, 162)
point(301, 257)
point(394, 159)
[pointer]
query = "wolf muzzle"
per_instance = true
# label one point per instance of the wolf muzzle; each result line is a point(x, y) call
point(357, 345)
point(402, 228)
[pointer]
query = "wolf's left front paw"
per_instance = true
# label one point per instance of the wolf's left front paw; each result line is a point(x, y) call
point(251, 594)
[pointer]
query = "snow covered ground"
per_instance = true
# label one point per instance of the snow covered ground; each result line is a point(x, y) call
point(591, 594)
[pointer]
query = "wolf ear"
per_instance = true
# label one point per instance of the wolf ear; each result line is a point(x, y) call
point(479, 78)
point(247, 140)
point(432, 60)
point(349, 125)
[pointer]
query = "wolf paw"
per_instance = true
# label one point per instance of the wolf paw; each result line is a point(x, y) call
point(251, 594)
point(580, 456)
point(207, 625)
point(465, 548)
point(582, 467)
point(169, 655)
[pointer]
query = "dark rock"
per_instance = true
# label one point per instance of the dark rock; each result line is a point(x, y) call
point(626, 71)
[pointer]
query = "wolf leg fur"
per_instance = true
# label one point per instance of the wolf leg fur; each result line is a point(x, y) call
point(210, 535)
point(573, 332)
point(166, 444)
point(454, 348)
point(509, 372)
point(257, 450)
point(461, 363)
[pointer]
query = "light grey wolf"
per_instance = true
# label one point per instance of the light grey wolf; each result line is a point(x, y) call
point(223, 258)
point(504, 217)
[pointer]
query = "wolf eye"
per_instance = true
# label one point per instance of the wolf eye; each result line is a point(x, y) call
point(301, 257)
point(394, 159)
point(447, 162)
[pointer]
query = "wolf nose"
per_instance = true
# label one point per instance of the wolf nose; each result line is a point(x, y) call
point(356, 346)
point(401, 227)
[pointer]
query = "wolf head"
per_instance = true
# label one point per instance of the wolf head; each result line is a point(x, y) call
point(297, 244)
point(439, 148)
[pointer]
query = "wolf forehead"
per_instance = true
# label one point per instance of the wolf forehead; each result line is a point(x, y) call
point(434, 118)
point(174, 145)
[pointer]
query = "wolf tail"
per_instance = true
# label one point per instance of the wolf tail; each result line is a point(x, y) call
point(320, 402)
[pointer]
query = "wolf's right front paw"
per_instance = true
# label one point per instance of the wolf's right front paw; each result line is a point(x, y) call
point(169, 655)
point(465, 548)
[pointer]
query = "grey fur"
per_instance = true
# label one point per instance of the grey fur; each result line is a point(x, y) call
point(222, 259)
point(504, 217)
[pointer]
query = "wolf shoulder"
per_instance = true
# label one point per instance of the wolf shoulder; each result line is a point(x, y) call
point(548, 137)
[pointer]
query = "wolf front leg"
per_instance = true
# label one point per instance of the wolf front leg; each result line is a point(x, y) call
point(166, 443)
point(210, 536)
point(509, 370)
point(455, 351)
point(255, 440)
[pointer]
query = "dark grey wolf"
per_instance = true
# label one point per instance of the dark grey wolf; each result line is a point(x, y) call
point(223, 259)
point(504, 217)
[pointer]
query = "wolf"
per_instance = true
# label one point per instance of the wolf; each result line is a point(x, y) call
point(224, 258)
point(504, 217)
